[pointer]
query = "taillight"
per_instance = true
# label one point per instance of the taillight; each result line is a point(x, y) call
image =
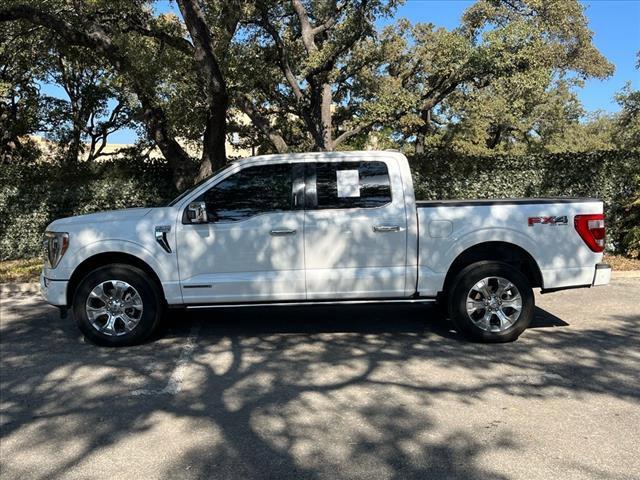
point(591, 229)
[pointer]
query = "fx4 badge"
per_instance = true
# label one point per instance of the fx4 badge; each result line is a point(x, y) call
point(562, 220)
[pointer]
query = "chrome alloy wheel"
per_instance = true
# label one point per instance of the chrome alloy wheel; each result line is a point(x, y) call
point(114, 308)
point(494, 304)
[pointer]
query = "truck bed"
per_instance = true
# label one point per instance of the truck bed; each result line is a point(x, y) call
point(446, 228)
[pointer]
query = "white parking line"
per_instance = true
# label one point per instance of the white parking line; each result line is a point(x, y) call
point(174, 384)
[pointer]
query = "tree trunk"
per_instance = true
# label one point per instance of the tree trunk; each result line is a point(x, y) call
point(420, 143)
point(9, 137)
point(72, 155)
point(215, 89)
point(75, 147)
point(319, 120)
point(325, 117)
point(423, 132)
point(214, 155)
point(179, 162)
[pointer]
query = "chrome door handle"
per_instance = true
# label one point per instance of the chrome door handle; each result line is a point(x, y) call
point(386, 228)
point(282, 231)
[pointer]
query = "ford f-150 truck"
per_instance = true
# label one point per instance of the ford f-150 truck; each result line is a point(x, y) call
point(320, 227)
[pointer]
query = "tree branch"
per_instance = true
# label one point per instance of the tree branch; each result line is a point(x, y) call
point(262, 124)
point(230, 19)
point(329, 23)
point(356, 34)
point(354, 131)
point(308, 37)
point(101, 132)
point(283, 58)
point(179, 43)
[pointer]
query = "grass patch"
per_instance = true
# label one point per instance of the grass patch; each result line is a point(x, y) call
point(621, 264)
point(20, 270)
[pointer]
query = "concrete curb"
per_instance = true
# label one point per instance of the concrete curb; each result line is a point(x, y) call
point(29, 288)
point(625, 274)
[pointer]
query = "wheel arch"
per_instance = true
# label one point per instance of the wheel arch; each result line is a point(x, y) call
point(106, 258)
point(498, 251)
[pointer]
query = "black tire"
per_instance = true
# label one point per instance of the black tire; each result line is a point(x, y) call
point(147, 321)
point(461, 289)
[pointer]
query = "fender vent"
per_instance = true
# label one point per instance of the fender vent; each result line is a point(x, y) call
point(161, 237)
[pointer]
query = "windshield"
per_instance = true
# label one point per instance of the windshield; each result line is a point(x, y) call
point(189, 190)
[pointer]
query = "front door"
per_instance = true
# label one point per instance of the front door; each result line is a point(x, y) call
point(252, 248)
point(355, 230)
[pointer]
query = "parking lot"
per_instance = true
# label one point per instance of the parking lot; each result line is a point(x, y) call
point(378, 391)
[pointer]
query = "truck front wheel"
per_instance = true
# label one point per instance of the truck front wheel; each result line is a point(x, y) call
point(491, 302)
point(117, 305)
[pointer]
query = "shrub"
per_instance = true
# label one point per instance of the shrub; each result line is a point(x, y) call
point(612, 176)
point(34, 194)
point(630, 228)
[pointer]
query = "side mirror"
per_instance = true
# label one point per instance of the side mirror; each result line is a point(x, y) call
point(197, 212)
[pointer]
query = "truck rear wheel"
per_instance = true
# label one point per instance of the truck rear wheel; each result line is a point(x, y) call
point(117, 305)
point(491, 302)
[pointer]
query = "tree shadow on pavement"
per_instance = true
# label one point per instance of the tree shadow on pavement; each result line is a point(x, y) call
point(314, 392)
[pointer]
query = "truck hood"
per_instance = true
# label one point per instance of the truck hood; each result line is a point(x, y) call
point(126, 215)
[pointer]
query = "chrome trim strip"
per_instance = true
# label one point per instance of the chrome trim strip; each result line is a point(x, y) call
point(310, 302)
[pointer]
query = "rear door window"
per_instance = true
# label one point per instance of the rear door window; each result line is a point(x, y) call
point(352, 184)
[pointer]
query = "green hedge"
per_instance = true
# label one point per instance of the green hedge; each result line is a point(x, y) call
point(613, 176)
point(32, 195)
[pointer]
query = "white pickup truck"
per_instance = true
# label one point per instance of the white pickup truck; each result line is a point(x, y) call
point(320, 227)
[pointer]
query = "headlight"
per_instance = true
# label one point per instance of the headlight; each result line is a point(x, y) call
point(55, 244)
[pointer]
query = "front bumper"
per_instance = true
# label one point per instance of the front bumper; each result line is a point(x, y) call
point(602, 274)
point(54, 291)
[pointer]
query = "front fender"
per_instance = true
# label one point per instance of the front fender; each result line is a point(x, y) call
point(163, 264)
point(165, 268)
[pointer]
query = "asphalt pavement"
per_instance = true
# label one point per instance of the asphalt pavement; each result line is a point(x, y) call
point(350, 392)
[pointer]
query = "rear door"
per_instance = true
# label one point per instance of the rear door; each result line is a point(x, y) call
point(252, 247)
point(355, 227)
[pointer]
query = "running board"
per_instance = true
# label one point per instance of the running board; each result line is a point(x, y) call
point(308, 302)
